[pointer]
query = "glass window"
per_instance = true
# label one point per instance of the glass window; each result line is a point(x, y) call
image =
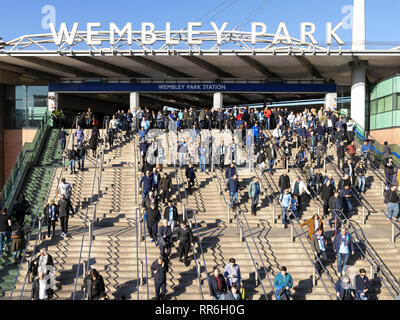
point(381, 105)
point(388, 103)
point(398, 101)
point(373, 107)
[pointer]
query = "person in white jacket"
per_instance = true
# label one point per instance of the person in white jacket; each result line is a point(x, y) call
point(277, 134)
point(298, 189)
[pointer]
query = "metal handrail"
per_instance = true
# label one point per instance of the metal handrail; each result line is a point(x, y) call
point(380, 267)
point(145, 252)
point(91, 222)
point(353, 192)
point(305, 249)
point(317, 260)
point(197, 264)
point(256, 273)
point(394, 225)
point(258, 252)
point(138, 279)
point(37, 217)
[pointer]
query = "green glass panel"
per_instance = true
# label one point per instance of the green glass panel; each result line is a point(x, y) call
point(372, 120)
point(398, 101)
point(385, 88)
point(381, 105)
point(397, 84)
point(388, 103)
point(384, 120)
point(396, 118)
point(373, 107)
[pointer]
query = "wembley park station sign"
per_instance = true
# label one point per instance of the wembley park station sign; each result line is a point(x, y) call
point(193, 34)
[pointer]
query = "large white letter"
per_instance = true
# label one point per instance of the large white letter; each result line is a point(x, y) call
point(114, 29)
point(285, 36)
point(304, 33)
point(254, 32)
point(168, 39)
point(219, 31)
point(91, 33)
point(332, 33)
point(149, 32)
point(58, 37)
point(191, 32)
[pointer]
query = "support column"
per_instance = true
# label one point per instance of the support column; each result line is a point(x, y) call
point(331, 101)
point(218, 100)
point(134, 101)
point(358, 93)
point(359, 25)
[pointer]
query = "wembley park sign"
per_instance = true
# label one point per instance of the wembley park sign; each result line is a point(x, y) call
point(194, 34)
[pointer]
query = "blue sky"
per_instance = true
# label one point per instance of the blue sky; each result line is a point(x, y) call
point(25, 17)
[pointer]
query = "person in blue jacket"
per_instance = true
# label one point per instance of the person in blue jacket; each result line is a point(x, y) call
point(343, 247)
point(283, 282)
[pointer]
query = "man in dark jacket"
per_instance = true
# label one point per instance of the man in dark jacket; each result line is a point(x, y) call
point(81, 151)
point(340, 152)
point(159, 271)
point(185, 239)
point(284, 182)
point(171, 215)
point(190, 175)
point(146, 184)
point(165, 239)
point(40, 289)
point(361, 284)
point(318, 245)
point(336, 206)
point(94, 284)
point(389, 170)
point(343, 247)
point(62, 135)
point(327, 192)
point(72, 155)
point(392, 200)
point(143, 146)
point(152, 218)
point(230, 172)
point(21, 209)
point(218, 287)
point(64, 208)
point(233, 187)
point(165, 187)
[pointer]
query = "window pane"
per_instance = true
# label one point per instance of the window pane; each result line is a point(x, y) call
point(373, 107)
point(381, 105)
point(398, 101)
point(388, 103)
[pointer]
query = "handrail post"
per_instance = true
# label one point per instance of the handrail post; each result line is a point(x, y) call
point(291, 233)
point(313, 276)
point(393, 238)
point(83, 270)
point(383, 188)
point(256, 275)
point(273, 214)
point(229, 215)
point(363, 216)
point(325, 166)
point(287, 164)
point(141, 280)
point(241, 231)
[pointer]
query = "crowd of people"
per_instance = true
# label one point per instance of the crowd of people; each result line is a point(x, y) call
point(310, 132)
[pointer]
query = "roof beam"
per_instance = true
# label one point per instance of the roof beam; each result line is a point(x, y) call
point(259, 67)
point(310, 67)
point(159, 67)
point(27, 72)
point(60, 67)
point(109, 67)
point(208, 67)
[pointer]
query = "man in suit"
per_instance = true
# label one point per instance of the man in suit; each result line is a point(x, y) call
point(159, 271)
point(190, 175)
point(64, 209)
point(221, 154)
point(185, 239)
point(165, 239)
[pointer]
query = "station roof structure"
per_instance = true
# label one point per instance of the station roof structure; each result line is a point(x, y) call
point(38, 57)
